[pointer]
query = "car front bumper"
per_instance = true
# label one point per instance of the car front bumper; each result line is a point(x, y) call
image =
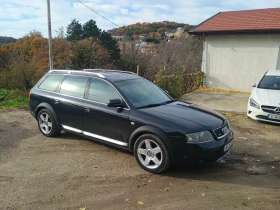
point(260, 115)
point(208, 152)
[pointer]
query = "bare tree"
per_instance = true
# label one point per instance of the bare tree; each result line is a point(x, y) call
point(177, 57)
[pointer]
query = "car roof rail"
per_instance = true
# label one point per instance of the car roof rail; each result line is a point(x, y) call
point(108, 70)
point(77, 72)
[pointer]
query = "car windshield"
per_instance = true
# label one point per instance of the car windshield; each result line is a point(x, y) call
point(270, 82)
point(142, 93)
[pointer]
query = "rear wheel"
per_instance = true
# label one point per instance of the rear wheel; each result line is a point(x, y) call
point(47, 124)
point(152, 154)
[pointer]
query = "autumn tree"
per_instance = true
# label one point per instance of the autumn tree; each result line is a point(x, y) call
point(61, 53)
point(75, 32)
point(176, 57)
point(88, 54)
point(26, 61)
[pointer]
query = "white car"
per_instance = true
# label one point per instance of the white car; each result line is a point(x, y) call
point(264, 101)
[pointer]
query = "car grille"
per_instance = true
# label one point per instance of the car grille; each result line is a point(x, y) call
point(271, 109)
point(222, 131)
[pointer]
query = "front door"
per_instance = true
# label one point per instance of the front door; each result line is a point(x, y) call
point(109, 124)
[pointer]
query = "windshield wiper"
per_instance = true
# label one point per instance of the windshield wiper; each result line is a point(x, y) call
point(168, 102)
point(148, 106)
point(154, 105)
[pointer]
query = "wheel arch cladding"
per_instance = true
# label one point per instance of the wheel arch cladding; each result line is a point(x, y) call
point(46, 106)
point(155, 131)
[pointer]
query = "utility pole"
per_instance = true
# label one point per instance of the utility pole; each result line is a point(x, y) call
point(50, 35)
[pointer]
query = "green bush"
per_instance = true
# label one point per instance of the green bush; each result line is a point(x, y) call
point(178, 85)
point(12, 98)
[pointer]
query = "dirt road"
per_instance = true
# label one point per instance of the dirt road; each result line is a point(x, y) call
point(70, 172)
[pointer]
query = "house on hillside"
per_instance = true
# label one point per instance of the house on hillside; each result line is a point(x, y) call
point(149, 49)
point(179, 32)
point(239, 47)
point(118, 38)
point(126, 47)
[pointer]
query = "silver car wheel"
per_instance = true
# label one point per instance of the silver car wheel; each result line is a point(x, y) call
point(45, 123)
point(149, 154)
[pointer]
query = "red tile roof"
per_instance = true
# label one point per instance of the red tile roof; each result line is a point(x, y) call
point(260, 20)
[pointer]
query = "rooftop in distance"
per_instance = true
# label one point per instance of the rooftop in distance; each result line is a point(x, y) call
point(245, 21)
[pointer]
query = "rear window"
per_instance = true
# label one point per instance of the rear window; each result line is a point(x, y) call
point(74, 86)
point(51, 82)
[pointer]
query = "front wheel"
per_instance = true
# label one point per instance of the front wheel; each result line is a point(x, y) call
point(152, 154)
point(47, 124)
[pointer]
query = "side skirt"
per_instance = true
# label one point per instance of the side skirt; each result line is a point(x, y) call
point(109, 140)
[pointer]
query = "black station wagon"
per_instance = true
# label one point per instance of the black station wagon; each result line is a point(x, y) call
point(127, 111)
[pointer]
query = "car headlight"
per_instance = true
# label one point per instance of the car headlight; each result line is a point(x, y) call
point(199, 137)
point(253, 103)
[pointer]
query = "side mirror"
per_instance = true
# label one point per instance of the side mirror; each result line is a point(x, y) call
point(254, 85)
point(115, 103)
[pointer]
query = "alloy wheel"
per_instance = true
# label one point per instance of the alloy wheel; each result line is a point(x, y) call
point(149, 154)
point(45, 123)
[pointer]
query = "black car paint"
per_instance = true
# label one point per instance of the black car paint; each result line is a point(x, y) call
point(170, 122)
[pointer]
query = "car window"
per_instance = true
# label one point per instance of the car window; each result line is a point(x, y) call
point(51, 82)
point(270, 82)
point(74, 86)
point(102, 91)
point(141, 92)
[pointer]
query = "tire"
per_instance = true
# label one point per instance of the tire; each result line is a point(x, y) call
point(47, 124)
point(152, 154)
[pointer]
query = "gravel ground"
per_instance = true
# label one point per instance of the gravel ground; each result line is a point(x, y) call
point(71, 172)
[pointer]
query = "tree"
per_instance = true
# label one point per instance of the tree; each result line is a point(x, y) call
point(60, 32)
point(110, 44)
point(90, 29)
point(88, 54)
point(61, 53)
point(26, 61)
point(74, 31)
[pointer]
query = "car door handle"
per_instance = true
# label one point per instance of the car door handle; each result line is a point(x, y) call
point(56, 101)
point(87, 109)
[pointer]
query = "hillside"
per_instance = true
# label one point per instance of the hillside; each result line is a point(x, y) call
point(6, 40)
point(156, 29)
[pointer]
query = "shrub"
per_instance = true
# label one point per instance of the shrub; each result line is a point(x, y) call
point(12, 98)
point(178, 85)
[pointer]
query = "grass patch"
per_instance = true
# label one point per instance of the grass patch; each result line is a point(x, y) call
point(13, 98)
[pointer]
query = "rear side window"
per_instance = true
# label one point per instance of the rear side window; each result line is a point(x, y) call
point(51, 82)
point(102, 91)
point(74, 86)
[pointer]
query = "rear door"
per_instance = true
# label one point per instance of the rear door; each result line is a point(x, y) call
point(68, 102)
point(109, 124)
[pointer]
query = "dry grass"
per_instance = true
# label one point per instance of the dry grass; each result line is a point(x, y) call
point(221, 90)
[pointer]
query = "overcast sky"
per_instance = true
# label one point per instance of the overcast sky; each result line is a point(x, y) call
point(18, 17)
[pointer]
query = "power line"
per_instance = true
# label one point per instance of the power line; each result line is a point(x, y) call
point(98, 14)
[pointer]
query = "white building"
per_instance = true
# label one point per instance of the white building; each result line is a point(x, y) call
point(239, 47)
point(118, 38)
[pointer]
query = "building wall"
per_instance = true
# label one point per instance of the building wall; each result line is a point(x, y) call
point(234, 62)
point(126, 47)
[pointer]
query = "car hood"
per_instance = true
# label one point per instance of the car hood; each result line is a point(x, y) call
point(180, 112)
point(266, 96)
